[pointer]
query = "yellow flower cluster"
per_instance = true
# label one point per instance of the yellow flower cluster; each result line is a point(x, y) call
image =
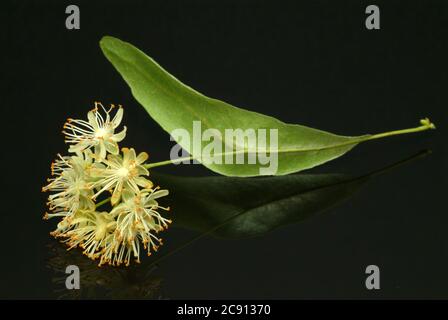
point(95, 166)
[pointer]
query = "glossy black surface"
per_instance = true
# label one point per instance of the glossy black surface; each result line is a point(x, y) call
point(307, 62)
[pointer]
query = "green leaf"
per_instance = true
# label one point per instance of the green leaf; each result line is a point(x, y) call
point(174, 105)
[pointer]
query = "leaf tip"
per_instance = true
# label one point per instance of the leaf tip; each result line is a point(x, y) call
point(106, 41)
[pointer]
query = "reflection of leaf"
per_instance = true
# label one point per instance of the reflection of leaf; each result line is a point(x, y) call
point(253, 206)
point(242, 207)
point(174, 106)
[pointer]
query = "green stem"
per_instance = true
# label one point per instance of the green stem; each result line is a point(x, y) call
point(426, 124)
point(99, 204)
point(166, 162)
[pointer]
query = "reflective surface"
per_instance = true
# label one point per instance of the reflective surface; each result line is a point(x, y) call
point(307, 63)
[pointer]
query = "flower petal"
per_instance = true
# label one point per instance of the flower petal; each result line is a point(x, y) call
point(102, 150)
point(144, 183)
point(128, 155)
point(127, 194)
point(111, 147)
point(142, 171)
point(117, 118)
point(159, 194)
point(119, 136)
point(118, 209)
point(142, 157)
point(79, 147)
point(116, 194)
point(92, 119)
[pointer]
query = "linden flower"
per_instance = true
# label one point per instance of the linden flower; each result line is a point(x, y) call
point(137, 216)
point(122, 172)
point(72, 189)
point(87, 229)
point(98, 132)
point(91, 232)
point(117, 252)
point(97, 166)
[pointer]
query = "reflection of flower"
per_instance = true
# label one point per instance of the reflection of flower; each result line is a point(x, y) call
point(97, 132)
point(113, 237)
point(136, 282)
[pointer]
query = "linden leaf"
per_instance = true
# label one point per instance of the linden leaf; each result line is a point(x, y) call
point(176, 106)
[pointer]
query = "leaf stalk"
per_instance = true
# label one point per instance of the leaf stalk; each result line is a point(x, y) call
point(425, 124)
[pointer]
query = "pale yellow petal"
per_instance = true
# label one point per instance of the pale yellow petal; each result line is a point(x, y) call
point(111, 147)
point(142, 157)
point(119, 136)
point(117, 118)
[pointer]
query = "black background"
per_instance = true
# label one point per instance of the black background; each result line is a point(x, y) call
point(307, 62)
